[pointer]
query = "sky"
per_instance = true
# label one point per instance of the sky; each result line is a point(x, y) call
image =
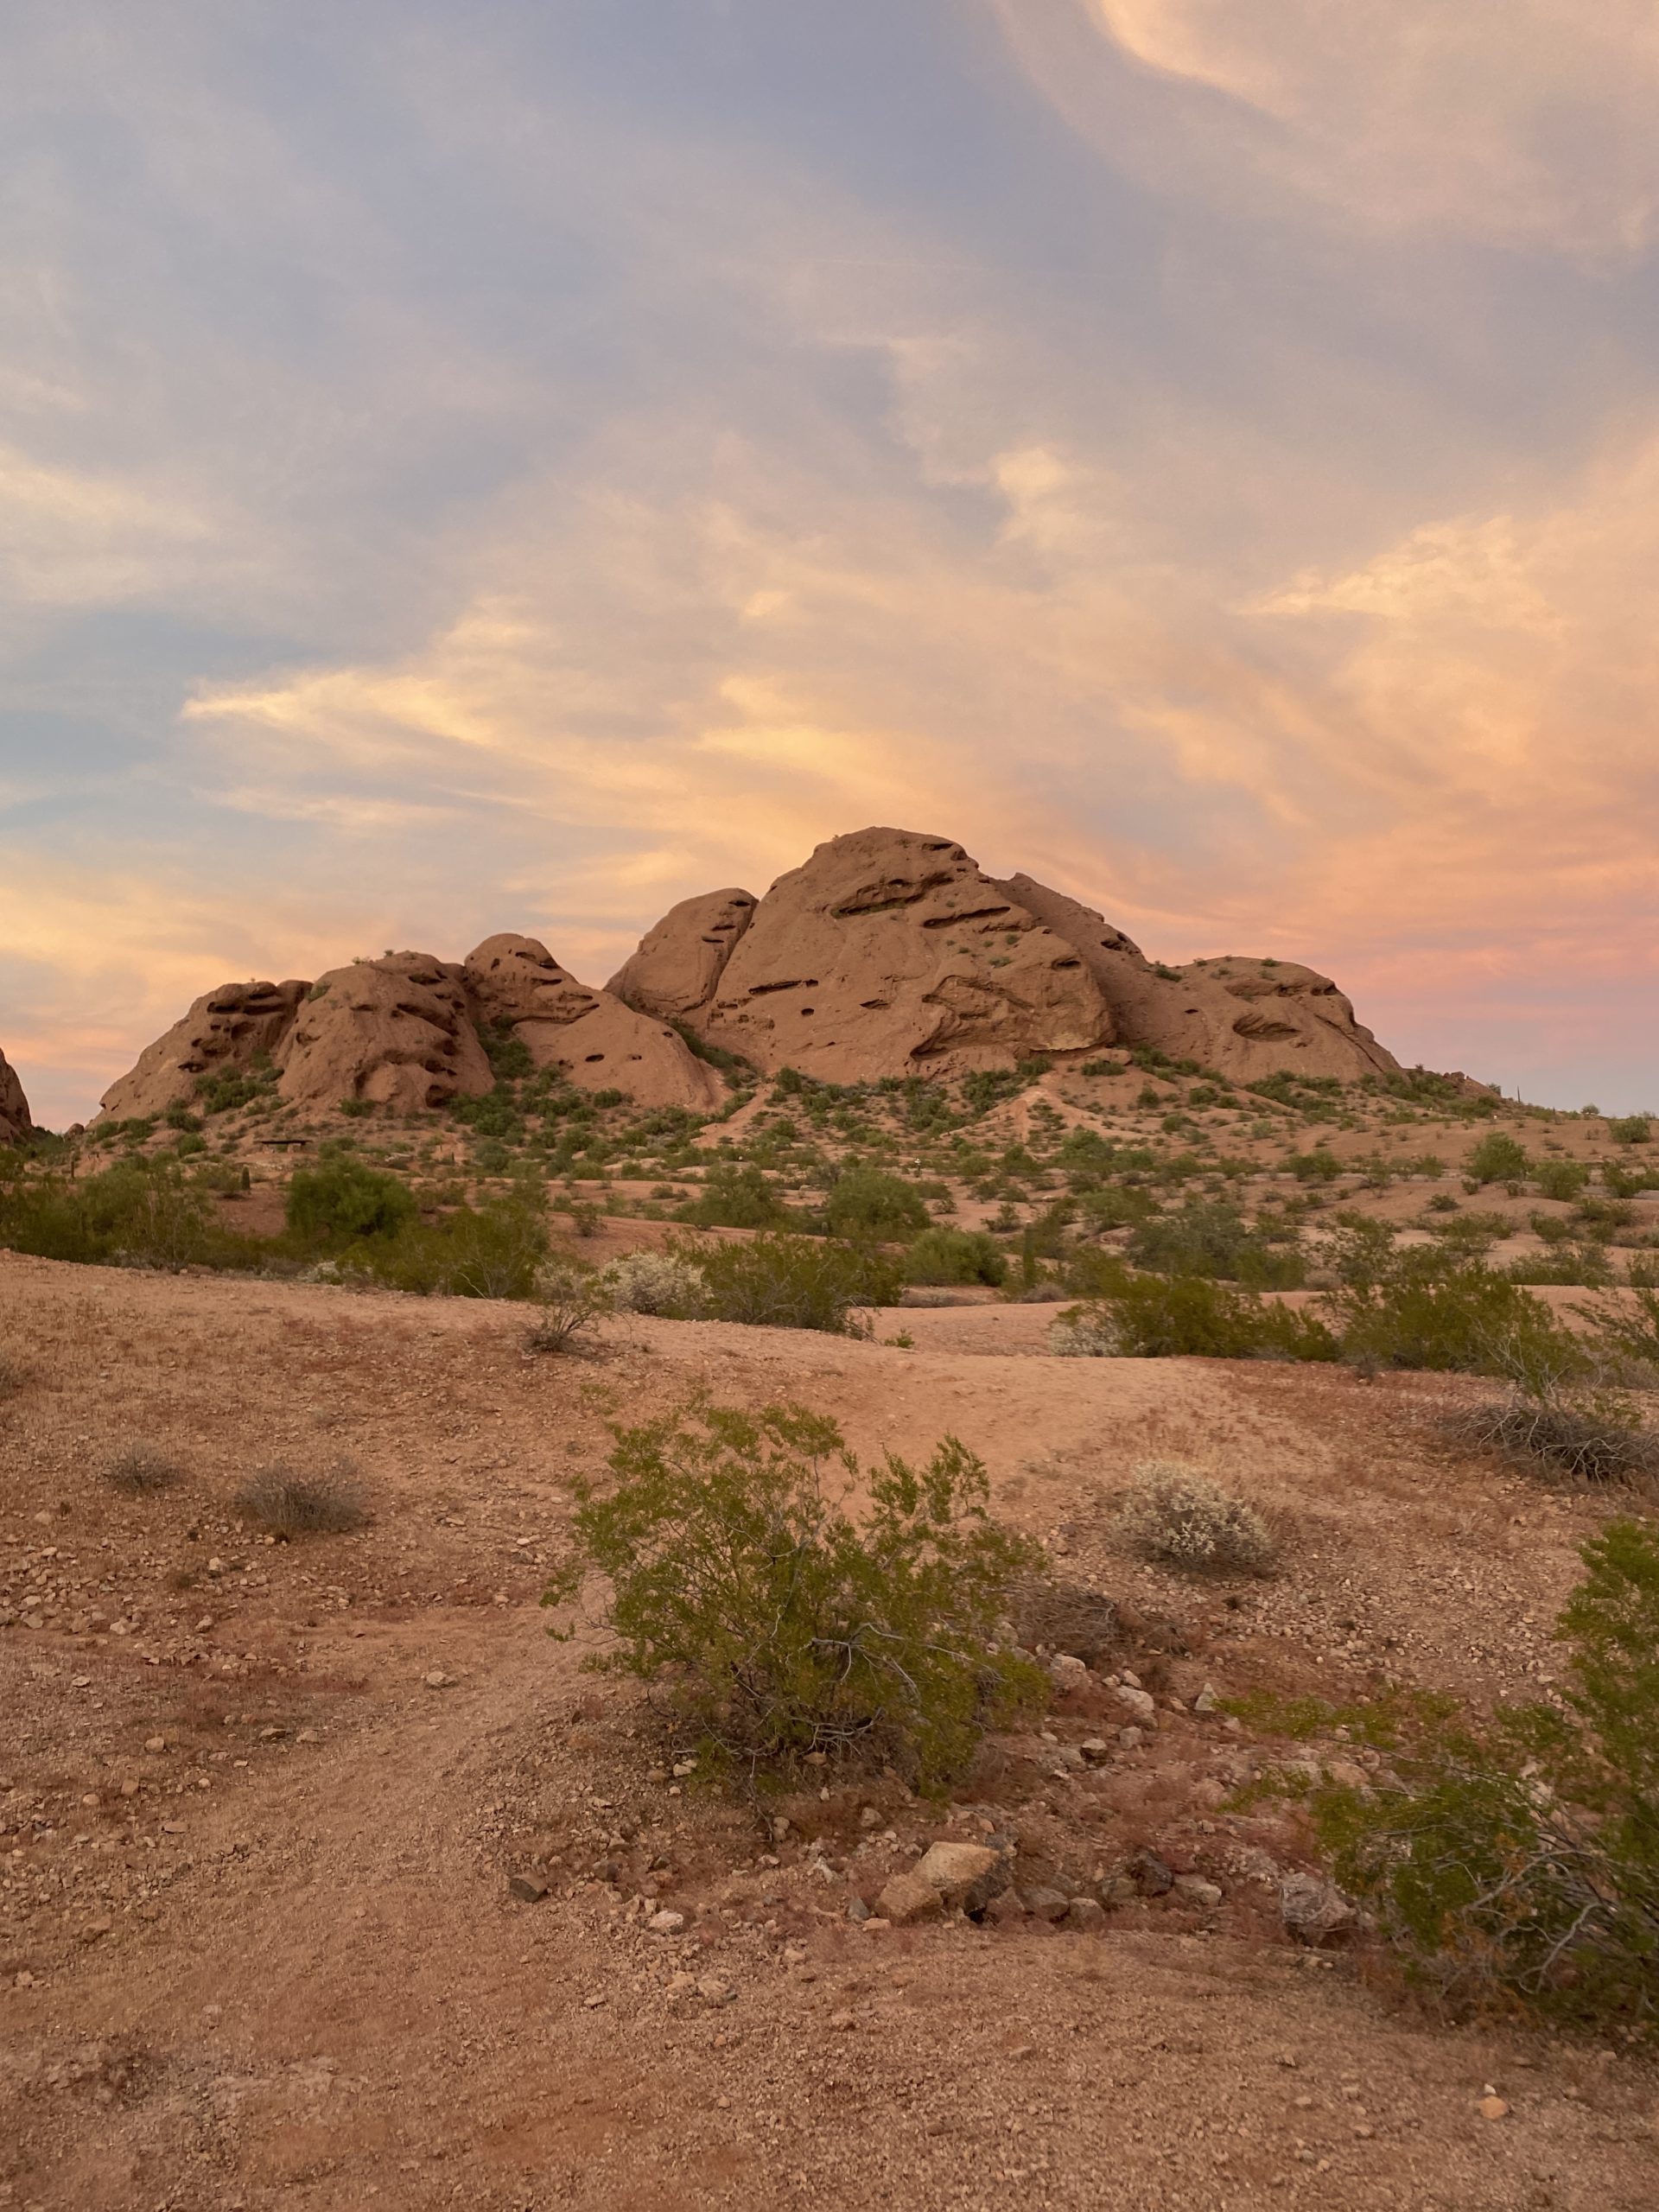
point(470, 465)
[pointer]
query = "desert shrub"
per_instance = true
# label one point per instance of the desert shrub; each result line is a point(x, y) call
point(1587, 1265)
point(663, 1283)
point(1174, 1514)
point(494, 1250)
point(868, 1202)
point(342, 1200)
point(142, 1213)
point(280, 1502)
point(1315, 1166)
point(1115, 1205)
point(1628, 1329)
point(781, 1281)
point(1210, 1238)
point(1048, 1614)
point(1631, 1128)
point(1560, 1179)
point(1163, 1316)
point(774, 1623)
point(735, 1198)
point(953, 1255)
point(571, 1297)
point(141, 1470)
point(1498, 1157)
point(1424, 1310)
point(1589, 1434)
point(1516, 1866)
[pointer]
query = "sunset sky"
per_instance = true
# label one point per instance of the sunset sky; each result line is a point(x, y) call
point(508, 464)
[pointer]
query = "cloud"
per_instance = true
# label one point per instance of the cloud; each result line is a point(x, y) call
point(1525, 124)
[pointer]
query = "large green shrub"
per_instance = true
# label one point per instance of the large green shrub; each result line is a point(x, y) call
point(868, 1202)
point(783, 1282)
point(138, 1213)
point(1498, 1157)
point(775, 1621)
point(1518, 1863)
point(955, 1256)
point(495, 1250)
point(1165, 1317)
point(342, 1199)
point(1210, 1238)
point(1424, 1310)
point(735, 1197)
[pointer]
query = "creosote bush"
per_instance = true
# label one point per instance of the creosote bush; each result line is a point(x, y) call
point(1516, 1866)
point(941, 1255)
point(279, 1502)
point(784, 1281)
point(1164, 1317)
point(141, 1470)
point(1174, 1513)
point(775, 1620)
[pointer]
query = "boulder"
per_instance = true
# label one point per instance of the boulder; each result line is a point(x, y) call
point(14, 1122)
point(225, 1030)
point(589, 1035)
point(396, 1032)
point(906, 1897)
point(890, 954)
point(966, 1875)
point(1315, 1911)
point(679, 964)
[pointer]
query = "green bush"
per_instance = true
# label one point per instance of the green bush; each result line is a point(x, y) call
point(1315, 1166)
point(342, 1200)
point(1560, 1179)
point(138, 1213)
point(955, 1256)
point(735, 1198)
point(495, 1250)
point(776, 1624)
point(1210, 1238)
point(1165, 1317)
point(1517, 1866)
point(1631, 1128)
point(781, 1281)
point(1499, 1159)
point(868, 1202)
point(1425, 1310)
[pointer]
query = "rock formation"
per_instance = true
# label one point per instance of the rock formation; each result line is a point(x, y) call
point(892, 953)
point(591, 1036)
point(680, 961)
point(225, 1030)
point(889, 953)
point(396, 1031)
point(14, 1122)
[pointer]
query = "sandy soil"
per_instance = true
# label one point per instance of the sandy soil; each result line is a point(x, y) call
point(257, 1942)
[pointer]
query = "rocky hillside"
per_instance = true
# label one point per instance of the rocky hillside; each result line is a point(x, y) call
point(14, 1121)
point(889, 953)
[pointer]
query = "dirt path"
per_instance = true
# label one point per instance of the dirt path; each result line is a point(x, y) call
point(285, 1973)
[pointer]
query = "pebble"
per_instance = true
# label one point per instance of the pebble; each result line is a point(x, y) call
point(1047, 1904)
point(528, 1889)
point(714, 1990)
point(666, 1923)
point(155, 1742)
point(436, 1679)
point(1492, 2108)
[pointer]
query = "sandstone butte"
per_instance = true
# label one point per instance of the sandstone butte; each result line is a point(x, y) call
point(14, 1122)
point(889, 953)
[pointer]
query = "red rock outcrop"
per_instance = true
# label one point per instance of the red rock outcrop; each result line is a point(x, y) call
point(396, 1032)
point(14, 1122)
point(1245, 1018)
point(595, 1039)
point(890, 953)
point(679, 964)
point(225, 1029)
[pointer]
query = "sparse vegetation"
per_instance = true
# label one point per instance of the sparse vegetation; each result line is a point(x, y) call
point(569, 1299)
point(140, 1470)
point(1174, 1513)
point(1517, 1866)
point(666, 1284)
point(279, 1502)
point(1164, 1317)
point(774, 1623)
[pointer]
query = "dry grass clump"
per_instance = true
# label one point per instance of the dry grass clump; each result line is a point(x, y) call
point(279, 1502)
point(1180, 1517)
point(1064, 1617)
point(141, 1470)
point(12, 1377)
point(1602, 1444)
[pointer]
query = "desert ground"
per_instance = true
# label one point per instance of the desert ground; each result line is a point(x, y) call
point(264, 1805)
